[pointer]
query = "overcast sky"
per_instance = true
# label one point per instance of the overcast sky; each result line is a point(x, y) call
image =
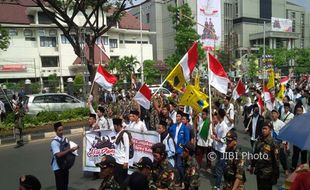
point(304, 3)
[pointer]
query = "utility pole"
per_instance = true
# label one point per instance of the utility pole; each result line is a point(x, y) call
point(141, 47)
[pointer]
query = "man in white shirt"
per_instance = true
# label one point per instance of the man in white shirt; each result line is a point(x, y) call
point(61, 175)
point(101, 121)
point(136, 123)
point(287, 116)
point(121, 154)
point(277, 126)
point(220, 147)
point(255, 125)
point(173, 112)
point(230, 112)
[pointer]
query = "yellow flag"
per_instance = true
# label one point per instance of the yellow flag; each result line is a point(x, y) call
point(194, 98)
point(197, 81)
point(176, 77)
point(280, 94)
point(270, 83)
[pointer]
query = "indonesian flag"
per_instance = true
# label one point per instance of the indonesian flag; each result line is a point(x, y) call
point(239, 90)
point(217, 76)
point(284, 80)
point(143, 97)
point(189, 61)
point(104, 79)
point(268, 98)
point(260, 104)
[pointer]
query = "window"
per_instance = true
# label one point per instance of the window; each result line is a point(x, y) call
point(148, 18)
point(43, 18)
point(28, 33)
point(121, 41)
point(113, 43)
point(102, 40)
point(49, 61)
point(13, 32)
point(38, 99)
point(46, 41)
point(64, 39)
point(30, 39)
point(130, 42)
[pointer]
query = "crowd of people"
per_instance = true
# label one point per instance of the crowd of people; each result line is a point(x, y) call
point(188, 138)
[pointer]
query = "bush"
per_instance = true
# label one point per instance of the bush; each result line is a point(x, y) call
point(47, 116)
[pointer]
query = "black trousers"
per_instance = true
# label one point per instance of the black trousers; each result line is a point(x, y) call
point(120, 175)
point(62, 179)
point(295, 157)
point(264, 183)
point(283, 158)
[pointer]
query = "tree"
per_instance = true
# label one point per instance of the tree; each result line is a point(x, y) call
point(124, 67)
point(4, 39)
point(253, 67)
point(83, 17)
point(186, 34)
point(78, 83)
point(53, 82)
point(151, 72)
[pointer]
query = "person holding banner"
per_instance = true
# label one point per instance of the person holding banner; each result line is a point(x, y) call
point(136, 123)
point(121, 154)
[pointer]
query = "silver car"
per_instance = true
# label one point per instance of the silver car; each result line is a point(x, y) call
point(56, 102)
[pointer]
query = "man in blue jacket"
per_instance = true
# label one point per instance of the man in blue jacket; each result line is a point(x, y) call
point(181, 135)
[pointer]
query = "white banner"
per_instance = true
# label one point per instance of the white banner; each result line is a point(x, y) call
point(94, 149)
point(209, 15)
point(281, 24)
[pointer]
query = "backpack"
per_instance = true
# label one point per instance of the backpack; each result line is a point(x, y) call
point(120, 138)
point(67, 161)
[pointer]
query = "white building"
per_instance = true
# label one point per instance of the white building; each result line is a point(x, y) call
point(38, 48)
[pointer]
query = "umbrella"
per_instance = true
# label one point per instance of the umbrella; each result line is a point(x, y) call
point(297, 131)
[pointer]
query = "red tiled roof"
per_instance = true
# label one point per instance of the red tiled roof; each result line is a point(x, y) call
point(16, 14)
point(97, 55)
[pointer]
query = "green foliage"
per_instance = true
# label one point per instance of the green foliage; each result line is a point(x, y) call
point(46, 116)
point(223, 58)
point(35, 87)
point(78, 83)
point(4, 39)
point(186, 34)
point(123, 67)
point(151, 73)
point(253, 67)
point(53, 82)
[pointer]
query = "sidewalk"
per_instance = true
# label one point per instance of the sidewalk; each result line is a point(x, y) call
point(44, 132)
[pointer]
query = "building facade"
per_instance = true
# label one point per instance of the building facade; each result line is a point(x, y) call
point(38, 48)
point(242, 25)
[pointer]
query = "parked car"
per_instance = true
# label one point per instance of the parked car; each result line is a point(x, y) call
point(162, 89)
point(56, 102)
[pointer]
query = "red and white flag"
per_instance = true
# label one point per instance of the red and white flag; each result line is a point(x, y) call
point(284, 80)
point(104, 79)
point(143, 97)
point(217, 76)
point(260, 104)
point(189, 61)
point(268, 98)
point(239, 90)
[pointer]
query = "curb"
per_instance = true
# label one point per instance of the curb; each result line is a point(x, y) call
point(37, 136)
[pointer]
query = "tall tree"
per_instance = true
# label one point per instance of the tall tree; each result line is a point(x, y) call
point(124, 67)
point(186, 34)
point(74, 17)
point(4, 39)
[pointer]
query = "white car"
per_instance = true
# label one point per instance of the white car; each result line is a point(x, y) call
point(55, 102)
point(162, 89)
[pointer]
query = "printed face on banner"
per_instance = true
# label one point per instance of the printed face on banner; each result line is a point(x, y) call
point(209, 15)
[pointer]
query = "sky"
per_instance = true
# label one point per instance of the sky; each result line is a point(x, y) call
point(304, 3)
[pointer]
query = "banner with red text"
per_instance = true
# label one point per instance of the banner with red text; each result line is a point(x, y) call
point(96, 144)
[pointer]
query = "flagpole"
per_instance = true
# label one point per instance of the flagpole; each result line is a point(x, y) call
point(92, 85)
point(209, 88)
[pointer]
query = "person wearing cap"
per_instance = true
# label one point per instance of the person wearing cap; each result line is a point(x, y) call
point(136, 123)
point(191, 177)
point(230, 112)
point(163, 172)
point(107, 166)
point(234, 173)
point(139, 180)
point(61, 175)
point(29, 182)
point(167, 140)
point(101, 122)
point(277, 126)
point(121, 154)
point(287, 115)
point(266, 168)
point(181, 135)
point(92, 122)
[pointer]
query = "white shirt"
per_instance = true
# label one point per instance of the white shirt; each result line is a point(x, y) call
point(173, 116)
point(286, 117)
point(254, 123)
point(102, 122)
point(2, 108)
point(201, 141)
point(221, 130)
point(121, 154)
point(55, 148)
point(139, 126)
point(170, 149)
point(277, 125)
point(177, 132)
point(231, 112)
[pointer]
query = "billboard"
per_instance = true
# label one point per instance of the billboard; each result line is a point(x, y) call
point(209, 23)
point(281, 24)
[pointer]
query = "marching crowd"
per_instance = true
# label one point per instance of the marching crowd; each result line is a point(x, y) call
point(188, 138)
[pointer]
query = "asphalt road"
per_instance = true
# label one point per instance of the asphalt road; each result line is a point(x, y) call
point(35, 157)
